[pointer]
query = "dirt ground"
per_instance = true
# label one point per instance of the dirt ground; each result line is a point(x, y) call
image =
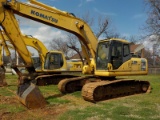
point(48, 111)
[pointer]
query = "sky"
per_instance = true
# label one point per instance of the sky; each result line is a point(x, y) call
point(127, 16)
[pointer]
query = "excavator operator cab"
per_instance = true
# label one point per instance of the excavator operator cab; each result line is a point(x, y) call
point(115, 52)
point(53, 61)
point(102, 55)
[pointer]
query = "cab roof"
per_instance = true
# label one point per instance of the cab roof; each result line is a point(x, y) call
point(115, 39)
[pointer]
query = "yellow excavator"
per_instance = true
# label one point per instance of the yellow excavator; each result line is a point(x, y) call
point(57, 59)
point(110, 57)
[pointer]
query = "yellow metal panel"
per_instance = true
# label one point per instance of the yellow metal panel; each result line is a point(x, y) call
point(11, 29)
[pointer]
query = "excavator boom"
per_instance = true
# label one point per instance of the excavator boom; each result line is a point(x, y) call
point(58, 19)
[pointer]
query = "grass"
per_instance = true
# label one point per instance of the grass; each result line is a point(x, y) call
point(73, 107)
point(12, 108)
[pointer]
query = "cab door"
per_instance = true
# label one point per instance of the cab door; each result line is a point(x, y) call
point(116, 54)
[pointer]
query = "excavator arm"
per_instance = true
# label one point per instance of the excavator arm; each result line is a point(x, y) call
point(3, 46)
point(10, 26)
point(54, 17)
point(37, 44)
point(29, 41)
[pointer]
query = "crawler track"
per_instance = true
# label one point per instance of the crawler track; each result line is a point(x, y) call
point(97, 89)
point(112, 89)
point(70, 85)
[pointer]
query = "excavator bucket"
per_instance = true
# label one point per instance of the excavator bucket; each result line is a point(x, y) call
point(31, 97)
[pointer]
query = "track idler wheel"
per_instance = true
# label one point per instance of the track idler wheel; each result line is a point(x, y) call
point(146, 88)
point(30, 96)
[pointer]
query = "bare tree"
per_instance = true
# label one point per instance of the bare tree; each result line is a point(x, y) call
point(61, 45)
point(102, 26)
point(133, 39)
point(152, 26)
point(113, 34)
point(153, 20)
point(73, 44)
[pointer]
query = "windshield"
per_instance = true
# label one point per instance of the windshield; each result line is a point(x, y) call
point(102, 56)
point(53, 61)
